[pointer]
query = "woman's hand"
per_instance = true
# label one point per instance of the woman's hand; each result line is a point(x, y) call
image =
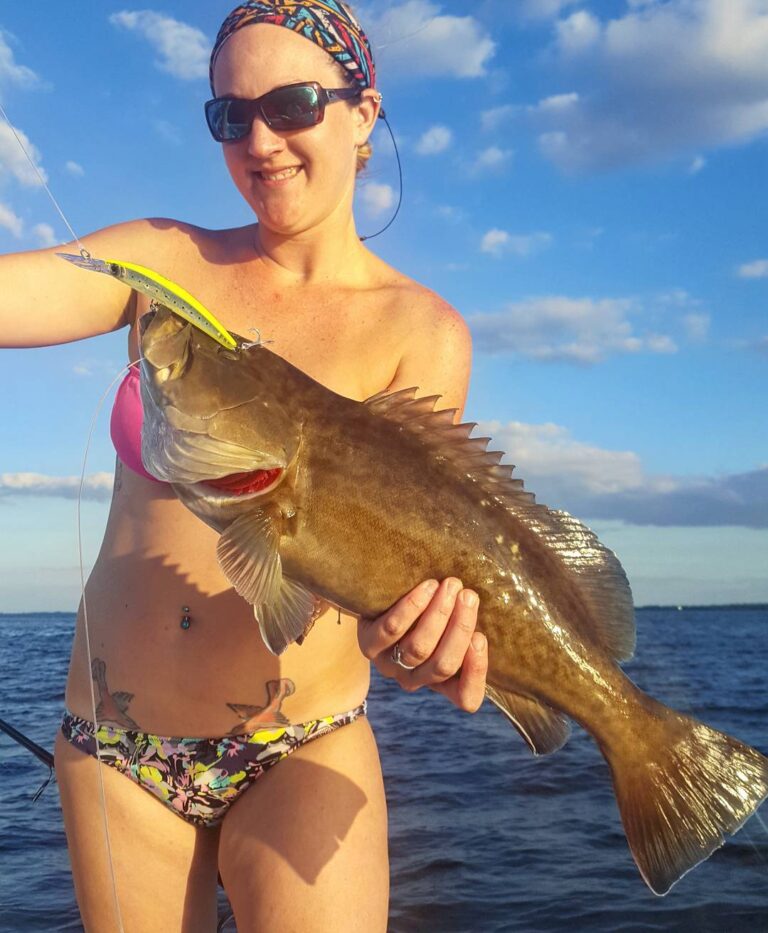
point(434, 625)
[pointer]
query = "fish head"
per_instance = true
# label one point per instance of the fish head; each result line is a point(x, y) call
point(212, 416)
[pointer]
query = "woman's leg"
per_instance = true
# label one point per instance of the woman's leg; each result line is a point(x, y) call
point(165, 868)
point(304, 850)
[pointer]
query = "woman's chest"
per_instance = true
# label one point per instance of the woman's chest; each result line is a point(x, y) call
point(350, 342)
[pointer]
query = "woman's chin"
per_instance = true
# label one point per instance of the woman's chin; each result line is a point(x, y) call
point(290, 223)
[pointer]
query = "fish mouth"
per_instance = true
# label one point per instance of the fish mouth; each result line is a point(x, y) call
point(255, 482)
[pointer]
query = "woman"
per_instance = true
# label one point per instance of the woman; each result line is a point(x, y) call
point(174, 651)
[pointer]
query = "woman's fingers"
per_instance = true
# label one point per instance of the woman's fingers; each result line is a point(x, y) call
point(383, 633)
point(417, 646)
point(441, 647)
point(434, 627)
point(467, 689)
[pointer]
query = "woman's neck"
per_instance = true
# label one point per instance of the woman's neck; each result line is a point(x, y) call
point(328, 253)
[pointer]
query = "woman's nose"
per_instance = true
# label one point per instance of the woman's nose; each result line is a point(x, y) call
point(262, 141)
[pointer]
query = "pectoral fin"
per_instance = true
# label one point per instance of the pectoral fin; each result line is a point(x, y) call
point(248, 553)
point(544, 729)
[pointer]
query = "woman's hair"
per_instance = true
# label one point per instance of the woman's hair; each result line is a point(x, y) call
point(365, 151)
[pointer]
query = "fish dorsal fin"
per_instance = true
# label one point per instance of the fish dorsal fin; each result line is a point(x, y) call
point(599, 577)
point(596, 571)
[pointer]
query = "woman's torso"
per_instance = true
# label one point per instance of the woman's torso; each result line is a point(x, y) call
point(158, 560)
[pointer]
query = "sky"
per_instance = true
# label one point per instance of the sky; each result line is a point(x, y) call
point(583, 181)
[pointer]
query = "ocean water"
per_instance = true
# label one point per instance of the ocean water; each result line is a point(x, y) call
point(483, 837)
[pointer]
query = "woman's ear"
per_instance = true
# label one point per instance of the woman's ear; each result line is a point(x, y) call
point(366, 113)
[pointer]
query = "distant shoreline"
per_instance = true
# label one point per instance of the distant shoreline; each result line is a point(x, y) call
point(649, 608)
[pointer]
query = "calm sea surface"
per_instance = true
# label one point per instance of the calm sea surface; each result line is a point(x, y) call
point(483, 837)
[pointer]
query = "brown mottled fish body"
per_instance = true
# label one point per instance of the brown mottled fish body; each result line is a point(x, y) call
point(361, 501)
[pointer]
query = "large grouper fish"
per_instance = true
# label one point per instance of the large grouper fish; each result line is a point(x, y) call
point(356, 502)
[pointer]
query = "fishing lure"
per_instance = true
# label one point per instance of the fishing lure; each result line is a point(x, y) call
point(160, 289)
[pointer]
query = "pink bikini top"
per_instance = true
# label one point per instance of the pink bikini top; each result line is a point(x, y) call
point(125, 424)
point(125, 428)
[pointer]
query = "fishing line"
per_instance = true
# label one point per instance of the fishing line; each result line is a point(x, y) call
point(83, 251)
point(86, 255)
point(400, 177)
point(96, 413)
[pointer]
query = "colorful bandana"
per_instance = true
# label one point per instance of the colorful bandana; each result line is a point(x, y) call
point(327, 23)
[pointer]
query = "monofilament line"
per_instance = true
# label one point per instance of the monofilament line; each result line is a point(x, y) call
point(39, 174)
point(88, 637)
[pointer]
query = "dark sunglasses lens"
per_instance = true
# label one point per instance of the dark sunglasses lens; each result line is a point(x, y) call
point(227, 119)
point(292, 108)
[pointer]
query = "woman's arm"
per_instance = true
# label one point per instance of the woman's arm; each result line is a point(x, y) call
point(45, 300)
point(434, 624)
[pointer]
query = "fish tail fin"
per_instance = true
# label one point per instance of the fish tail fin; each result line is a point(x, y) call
point(681, 791)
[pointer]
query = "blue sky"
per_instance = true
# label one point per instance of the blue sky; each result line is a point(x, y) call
point(583, 181)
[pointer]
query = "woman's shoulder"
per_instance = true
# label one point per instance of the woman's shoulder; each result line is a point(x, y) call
point(425, 312)
point(167, 234)
point(435, 346)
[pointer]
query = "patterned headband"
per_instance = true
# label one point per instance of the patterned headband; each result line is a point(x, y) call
point(327, 23)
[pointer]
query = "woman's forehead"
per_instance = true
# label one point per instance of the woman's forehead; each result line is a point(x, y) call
point(262, 56)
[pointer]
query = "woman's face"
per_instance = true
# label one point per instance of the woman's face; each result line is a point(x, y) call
point(254, 60)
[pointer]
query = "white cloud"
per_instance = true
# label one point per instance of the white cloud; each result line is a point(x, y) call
point(557, 103)
point(416, 39)
point(548, 450)
point(377, 198)
point(754, 270)
point(697, 165)
point(492, 158)
point(578, 33)
point(13, 73)
point(697, 326)
point(545, 9)
point(497, 116)
point(664, 78)
point(435, 140)
point(96, 486)
point(183, 49)
point(494, 242)
point(74, 168)
point(555, 328)
point(10, 221)
point(500, 242)
point(45, 235)
point(595, 483)
point(13, 161)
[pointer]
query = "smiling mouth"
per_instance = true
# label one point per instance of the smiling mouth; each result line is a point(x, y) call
point(283, 175)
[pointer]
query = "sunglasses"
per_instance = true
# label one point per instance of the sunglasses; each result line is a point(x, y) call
point(292, 107)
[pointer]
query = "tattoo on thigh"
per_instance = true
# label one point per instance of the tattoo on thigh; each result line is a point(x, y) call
point(112, 707)
point(251, 717)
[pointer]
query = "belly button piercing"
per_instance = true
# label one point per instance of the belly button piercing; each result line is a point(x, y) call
point(186, 621)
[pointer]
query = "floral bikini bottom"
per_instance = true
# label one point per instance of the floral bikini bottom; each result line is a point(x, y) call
point(199, 779)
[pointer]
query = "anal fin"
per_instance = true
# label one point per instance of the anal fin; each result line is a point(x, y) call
point(543, 729)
